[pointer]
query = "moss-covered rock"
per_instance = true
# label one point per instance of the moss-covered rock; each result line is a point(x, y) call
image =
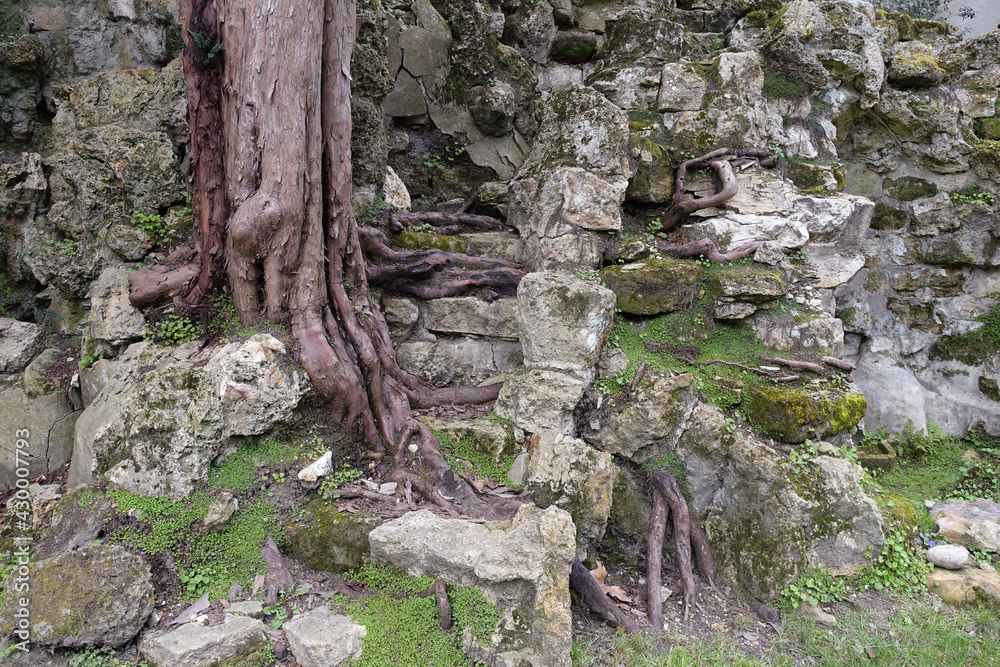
point(653, 286)
point(326, 539)
point(908, 188)
point(989, 128)
point(412, 240)
point(98, 596)
point(914, 65)
point(793, 414)
point(491, 438)
point(898, 512)
point(748, 283)
point(915, 315)
point(653, 179)
point(573, 46)
point(887, 218)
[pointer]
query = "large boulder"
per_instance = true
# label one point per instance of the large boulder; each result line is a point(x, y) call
point(167, 413)
point(236, 639)
point(98, 596)
point(45, 423)
point(536, 399)
point(975, 525)
point(570, 474)
point(526, 561)
point(564, 321)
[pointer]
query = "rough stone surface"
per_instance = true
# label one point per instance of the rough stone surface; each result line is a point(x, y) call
point(196, 645)
point(328, 540)
point(459, 361)
point(948, 556)
point(113, 319)
point(564, 321)
point(537, 399)
point(45, 422)
point(181, 414)
point(35, 382)
point(469, 315)
point(966, 587)
point(98, 596)
point(19, 343)
point(570, 474)
point(526, 560)
point(491, 438)
point(320, 638)
point(975, 525)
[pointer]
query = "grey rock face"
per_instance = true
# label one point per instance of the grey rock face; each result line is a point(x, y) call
point(321, 638)
point(45, 422)
point(536, 399)
point(570, 474)
point(181, 414)
point(195, 645)
point(98, 596)
point(19, 343)
point(526, 560)
point(113, 319)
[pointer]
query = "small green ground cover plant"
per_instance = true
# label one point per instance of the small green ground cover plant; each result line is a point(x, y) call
point(206, 563)
point(693, 334)
point(404, 628)
point(226, 323)
point(240, 469)
point(462, 454)
point(174, 330)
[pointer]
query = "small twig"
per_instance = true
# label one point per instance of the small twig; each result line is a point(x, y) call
point(638, 376)
point(733, 363)
point(469, 201)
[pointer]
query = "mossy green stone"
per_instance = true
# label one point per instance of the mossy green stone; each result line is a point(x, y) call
point(898, 511)
point(748, 283)
point(412, 240)
point(908, 188)
point(990, 128)
point(806, 176)
point(653, 286)
point(329, 540)
point(573, 46)
point(797, 414)
point(887, 218)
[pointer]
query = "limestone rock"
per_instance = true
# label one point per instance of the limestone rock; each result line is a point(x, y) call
point(815, 333)
point(46, 423)
point(564, 321)
point(653, 179)
point(975, 525)
point(219, 512)
point(328, 540)
point(195, 645)
point(948, 556)
point(733, 230)
point(570, 474)
point(817, 614)
point(458, 362)
point(914, 65)
point(113, 318)
point(469, 315)
point(35, 383)
point(653, 286)
point(395, 192)
point(155, 432)
point(98, 596)
point(652, 422)
point(797, 414)
point(19, 343)
point(966, 587)
point(321, 467)
point(753, 284)
point(491, 438)
point(320, 638)
point(681, 88)
point(526, 560)
point(537, 399)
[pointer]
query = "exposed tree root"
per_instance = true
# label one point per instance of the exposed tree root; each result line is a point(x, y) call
point(796, 365)
point(157, 283)
point(686, 534)
point(680, 208)
point(581, 581)
point(444, 608)
point(708, 248)
point(839, 364)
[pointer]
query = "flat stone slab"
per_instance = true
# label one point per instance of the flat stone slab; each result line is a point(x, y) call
point(975, 525)
point(966, 587)
point(196, 645)
point(321, 638)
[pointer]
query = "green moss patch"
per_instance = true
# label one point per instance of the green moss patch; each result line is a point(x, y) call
point(798, 414)
point(239, 470)
point(326, 539)
point(908, 188)
point(975, 348)
point(654, 286)
point(413, 240)
point(465, 454)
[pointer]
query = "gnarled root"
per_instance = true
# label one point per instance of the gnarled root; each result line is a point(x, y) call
point(707, 248)
point(445, 223)
point(155, 284)
point(581, 581)
point(686, 534)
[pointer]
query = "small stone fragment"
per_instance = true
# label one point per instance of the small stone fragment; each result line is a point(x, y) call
point(949, 556)
point(319, 468)
point(219, 512)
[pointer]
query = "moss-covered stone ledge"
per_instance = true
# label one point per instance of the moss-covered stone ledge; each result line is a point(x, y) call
point(795, 414)
point(653, 286)
point(326, 539)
